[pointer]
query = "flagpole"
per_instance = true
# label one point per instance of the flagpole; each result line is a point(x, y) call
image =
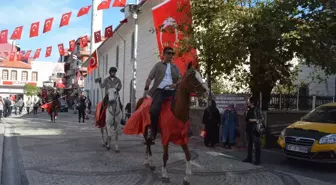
point(136, 29)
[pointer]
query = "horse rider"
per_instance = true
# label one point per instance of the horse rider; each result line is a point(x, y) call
point(110, 82)
point(166, 77)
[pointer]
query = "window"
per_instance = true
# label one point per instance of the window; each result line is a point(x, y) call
point(24, 76)
point(34, 76)
point(117, 57)
point(132, 46)
point(5, 74)
point(13, 75)
point(323, 115)
point(106, 63)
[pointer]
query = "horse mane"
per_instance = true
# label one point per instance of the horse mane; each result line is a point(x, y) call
point(139, 103)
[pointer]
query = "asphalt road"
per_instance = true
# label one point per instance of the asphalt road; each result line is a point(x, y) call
point(70, 153)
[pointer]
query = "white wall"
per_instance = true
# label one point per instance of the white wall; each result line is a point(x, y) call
point(147, 56)
point(326, 88)
point(44, 69)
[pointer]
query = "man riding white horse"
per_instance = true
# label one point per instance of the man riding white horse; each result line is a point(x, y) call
point(110, 82)
point(166, 76)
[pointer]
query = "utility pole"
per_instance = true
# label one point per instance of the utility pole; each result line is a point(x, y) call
point(136, 30)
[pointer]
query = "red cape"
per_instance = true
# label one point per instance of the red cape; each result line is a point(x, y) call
point(172, 129)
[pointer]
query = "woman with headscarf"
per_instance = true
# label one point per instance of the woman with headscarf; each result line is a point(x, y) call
point(229, 125)
point(211, 121)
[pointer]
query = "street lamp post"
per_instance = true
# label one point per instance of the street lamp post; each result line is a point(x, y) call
point(133, 9)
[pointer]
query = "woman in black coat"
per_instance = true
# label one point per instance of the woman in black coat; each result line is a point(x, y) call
point(211, 121)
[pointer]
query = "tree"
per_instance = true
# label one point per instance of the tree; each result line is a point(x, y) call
point(31, 90)
point(264, 36)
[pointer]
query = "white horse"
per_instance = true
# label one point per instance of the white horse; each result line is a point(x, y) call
point(113, 119)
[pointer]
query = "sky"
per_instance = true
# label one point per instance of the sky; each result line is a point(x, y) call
point(24, 12)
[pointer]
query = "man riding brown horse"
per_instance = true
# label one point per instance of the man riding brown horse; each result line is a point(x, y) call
point(166, 76)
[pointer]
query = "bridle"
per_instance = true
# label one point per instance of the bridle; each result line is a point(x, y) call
point(114, 108)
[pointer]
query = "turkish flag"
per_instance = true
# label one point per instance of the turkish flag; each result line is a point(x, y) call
point(19, 56)
point(108, 32)
point(48, 51)
point(105, 4)
point(3, 36)
point(37, 53)
point(167, 17)
point(27, 54)
point(119, 3)
point(65, 19)
point(97, 36)
point(12, 56)
point(83, 11)
point(48, 24)
point(72, 45)
point(16, 35)
point(83, 41)
point(61, 49)
point(93, 62)
point(34, 29)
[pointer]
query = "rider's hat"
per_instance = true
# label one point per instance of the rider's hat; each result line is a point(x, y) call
point(113, 69)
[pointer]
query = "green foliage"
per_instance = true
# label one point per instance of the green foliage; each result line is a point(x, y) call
point(254, 42)
point(31, 90)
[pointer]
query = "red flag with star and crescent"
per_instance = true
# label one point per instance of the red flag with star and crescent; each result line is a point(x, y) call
point(3, 36)
point(16, 35)
point(61, 49)
point(119, 3)
point(83, 11)
point(97, 36)
point(105, 4)
point(48, 24)
point(167, 17)
point(48, 51)
point(12, 56)
point(37, 53)
point(83, 41)
point(65, 19)
point(108, 32)
point(19, 56)
point(93, 62)
point(27, 54)
point(72, 45)
point(34, 29)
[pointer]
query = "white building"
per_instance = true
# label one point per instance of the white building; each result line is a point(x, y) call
point(14, 75)
point(111, 53)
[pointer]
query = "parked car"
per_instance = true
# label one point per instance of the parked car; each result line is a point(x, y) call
point(312, 138)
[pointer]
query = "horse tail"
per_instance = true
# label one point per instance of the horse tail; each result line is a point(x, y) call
point(139, 103)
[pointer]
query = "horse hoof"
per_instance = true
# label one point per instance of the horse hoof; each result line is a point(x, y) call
point(186, 182)
point(152, 168)
point(165, 179)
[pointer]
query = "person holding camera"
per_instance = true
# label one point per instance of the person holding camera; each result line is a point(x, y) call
point(110, 82)
point(253, 121)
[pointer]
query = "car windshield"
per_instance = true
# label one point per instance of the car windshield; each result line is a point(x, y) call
point(325, 114)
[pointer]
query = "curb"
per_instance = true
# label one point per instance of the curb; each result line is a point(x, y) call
point(2, 135)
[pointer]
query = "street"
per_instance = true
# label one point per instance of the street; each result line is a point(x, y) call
point(38, 152)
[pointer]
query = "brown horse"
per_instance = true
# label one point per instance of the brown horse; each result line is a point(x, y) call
point(174, 121)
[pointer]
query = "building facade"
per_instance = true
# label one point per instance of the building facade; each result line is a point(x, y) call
point(118, 50)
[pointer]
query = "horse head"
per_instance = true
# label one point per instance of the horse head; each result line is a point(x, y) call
point(194, 82)
point(113, 95)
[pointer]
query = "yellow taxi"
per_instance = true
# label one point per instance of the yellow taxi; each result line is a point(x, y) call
point(312, 138)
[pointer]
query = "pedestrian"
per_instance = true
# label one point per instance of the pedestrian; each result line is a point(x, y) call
point(81, 108)
point(253, 116)
point(36, 105)
point(128, 110)
point(20, 105)
point(211, 121)
point(7, 107)
point(89, 105)
point(29, 104)
point(229, 127)
point(2, 103)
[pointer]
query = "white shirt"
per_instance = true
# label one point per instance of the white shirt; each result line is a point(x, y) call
point(167, 79)
point(1, 106)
